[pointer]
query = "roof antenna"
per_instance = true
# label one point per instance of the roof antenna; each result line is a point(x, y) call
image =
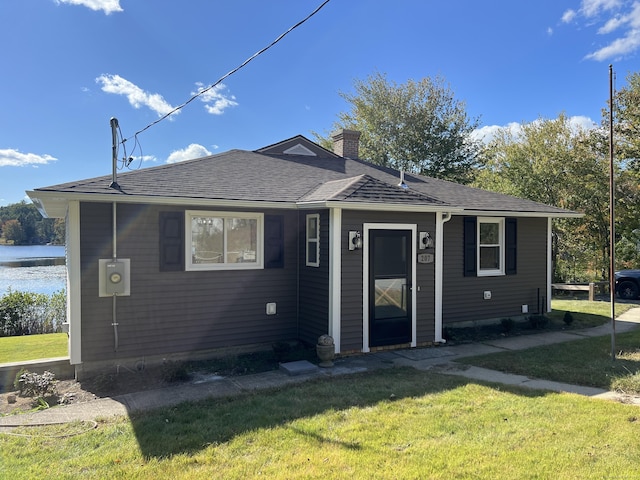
point(402, 184)
point(114, 152)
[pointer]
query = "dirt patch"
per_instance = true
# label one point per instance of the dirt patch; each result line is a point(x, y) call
point(170, 374)
point(68, 391)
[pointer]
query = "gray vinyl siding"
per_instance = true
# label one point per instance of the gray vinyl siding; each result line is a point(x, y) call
point(352, 293)
point(314, 282)
point(178, 312)
point(463, 299)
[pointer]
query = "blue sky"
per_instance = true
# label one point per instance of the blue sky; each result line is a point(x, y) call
point(68, 66)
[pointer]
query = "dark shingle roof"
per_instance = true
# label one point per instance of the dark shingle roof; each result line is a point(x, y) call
point(270, 175)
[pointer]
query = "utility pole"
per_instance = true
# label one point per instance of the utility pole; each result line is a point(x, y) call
point(114, 152)
point(612, 227)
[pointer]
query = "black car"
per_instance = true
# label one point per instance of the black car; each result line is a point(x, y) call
point(628, 284)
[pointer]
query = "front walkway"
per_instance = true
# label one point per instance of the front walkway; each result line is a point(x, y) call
point(438, 359)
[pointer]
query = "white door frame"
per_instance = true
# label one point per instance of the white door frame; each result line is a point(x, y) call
point(413, 228)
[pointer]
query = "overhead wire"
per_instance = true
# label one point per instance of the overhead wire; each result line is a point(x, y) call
point(228, 74)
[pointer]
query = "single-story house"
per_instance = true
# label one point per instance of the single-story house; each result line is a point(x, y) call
point(289, 242)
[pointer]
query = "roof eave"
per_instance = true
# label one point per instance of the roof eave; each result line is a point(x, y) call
point(377, 206)
point(54, 204)
point(511, 213)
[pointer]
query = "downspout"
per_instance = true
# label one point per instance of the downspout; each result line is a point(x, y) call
point(441, 219)
point(549, 263)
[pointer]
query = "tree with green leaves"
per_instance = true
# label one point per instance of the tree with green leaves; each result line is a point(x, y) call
point(554, 162)
point(33, 229)
point(417, 127)
point(627, 122)
point(627, 154)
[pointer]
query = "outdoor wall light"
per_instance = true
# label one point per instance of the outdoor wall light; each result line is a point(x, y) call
point(425, 240)
point(355, 240)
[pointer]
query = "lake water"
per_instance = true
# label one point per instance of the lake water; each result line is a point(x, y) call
point(38, 269)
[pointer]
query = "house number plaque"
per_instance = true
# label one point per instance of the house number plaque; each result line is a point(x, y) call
point(425, 258)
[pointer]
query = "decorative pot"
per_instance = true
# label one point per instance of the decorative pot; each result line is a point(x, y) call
point(326, 354)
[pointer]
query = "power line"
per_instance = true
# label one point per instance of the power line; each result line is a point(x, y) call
point(221, 79)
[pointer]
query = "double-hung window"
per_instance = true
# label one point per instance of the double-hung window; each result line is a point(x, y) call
point(224, 240)
point(313, 240)
point(490, 246)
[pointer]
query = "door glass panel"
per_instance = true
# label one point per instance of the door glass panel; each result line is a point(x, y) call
point(390, 298)
point(390, 256)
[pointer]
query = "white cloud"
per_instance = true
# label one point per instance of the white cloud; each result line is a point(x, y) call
point(487, 133)
point(580, 122)
point(192, 151)
point(568, 16)
point(14, 158)
point(591, 8)
point(615, 17)
point(619, 47)
point(216, 101)
point(136, 96)
point(107, 6)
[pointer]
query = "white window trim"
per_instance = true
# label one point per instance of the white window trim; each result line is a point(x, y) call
point(257, 265)
point(315, 239)
point(493, 272)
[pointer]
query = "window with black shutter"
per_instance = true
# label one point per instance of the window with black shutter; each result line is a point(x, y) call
point(273, 241)
point(490, 246)
point(171, 241)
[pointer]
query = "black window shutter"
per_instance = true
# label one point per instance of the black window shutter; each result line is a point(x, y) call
point(171, 241)
point(470, 246)
point(273, 241)
point(511, 246)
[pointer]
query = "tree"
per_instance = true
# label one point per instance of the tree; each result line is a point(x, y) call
point(627, 122)
point(417, 127)
point(35, 229)
point(553, 162)
point(627, 154)
point(13, 231)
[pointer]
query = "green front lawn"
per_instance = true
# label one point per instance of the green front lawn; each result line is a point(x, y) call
point(389, 424)
point(33, 347)
point(582, 362)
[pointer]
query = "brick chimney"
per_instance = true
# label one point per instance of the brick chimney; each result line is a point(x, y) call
point(345, 143)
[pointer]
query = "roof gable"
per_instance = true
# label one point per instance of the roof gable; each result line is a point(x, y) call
point(297, 145)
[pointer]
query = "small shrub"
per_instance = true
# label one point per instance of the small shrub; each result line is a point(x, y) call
point(447, 334)
point(629, 384)
point(507, 324)
point(35, 385)
point(103, 382)
point(281, 350)
point(567, 318)
point(174, 372)
point(538, 321)
point(16, 381)
point(27, 313)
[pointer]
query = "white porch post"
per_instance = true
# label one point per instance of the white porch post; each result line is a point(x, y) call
point(335, 268)
point(73, 282)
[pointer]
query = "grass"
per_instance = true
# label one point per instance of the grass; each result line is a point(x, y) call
point(582, 362)
point(589, 312)
point(394, 423)
point(33, 347)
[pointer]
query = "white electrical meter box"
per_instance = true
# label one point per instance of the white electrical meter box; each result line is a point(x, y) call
point(114, 277)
